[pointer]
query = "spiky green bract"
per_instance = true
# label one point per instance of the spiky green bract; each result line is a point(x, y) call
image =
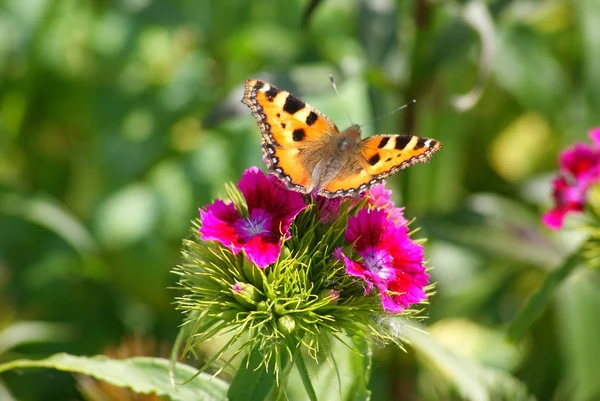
point(300, 303)
point(590, 228)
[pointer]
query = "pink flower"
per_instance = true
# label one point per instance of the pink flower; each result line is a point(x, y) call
point(390, 260)
point(579, 169)
point(271, 210)
point(568, 199)
point(329, 209)
point(378, 197)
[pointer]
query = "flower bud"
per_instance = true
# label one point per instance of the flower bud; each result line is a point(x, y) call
point(286, 324)
point(252, 272)
point(246, 294)
point(331, 294)
point(279, 310)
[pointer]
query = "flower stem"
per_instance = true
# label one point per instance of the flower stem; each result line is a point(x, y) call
point(538, 302)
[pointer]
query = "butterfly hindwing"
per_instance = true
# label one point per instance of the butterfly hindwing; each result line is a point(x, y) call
point(285, 164)
point(381, 156)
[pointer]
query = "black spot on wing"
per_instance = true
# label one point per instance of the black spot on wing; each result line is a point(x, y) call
point(374, 159)
point(283, 125)
point(271, 93)
point(402, 141)
point(420, 143)
point(312, 118)
point(293, 104)
point(298, 135)
point(383, 142)
point(258, 85)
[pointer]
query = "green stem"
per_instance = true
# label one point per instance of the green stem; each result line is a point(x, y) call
point(539, 301)
point(312, 395)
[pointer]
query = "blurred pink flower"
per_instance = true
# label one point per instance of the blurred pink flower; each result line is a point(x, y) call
point(579, 169)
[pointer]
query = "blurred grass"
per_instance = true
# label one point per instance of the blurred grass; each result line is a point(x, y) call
point(118, 119)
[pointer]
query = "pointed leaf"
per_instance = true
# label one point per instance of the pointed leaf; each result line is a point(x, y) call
point(143, 375)
point(538, 302)
point(252, 381)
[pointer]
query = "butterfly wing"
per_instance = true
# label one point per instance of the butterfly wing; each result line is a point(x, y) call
point(380, 156)
point(294, 134)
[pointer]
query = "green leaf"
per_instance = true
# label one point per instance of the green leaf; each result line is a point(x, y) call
point(127, 216)
point(49, 214)
point(524, 66)
point(579, 329)
point(303, 371)
point(538, 302)
point(361, 371)
point(345, 376)
point(253, 381)
point(20, 333)
point(5, 395)
point(588, 12)
point(476, 14)
point(143, 375)
point(472, 380)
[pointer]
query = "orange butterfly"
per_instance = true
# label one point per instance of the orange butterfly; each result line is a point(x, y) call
point(307, 151)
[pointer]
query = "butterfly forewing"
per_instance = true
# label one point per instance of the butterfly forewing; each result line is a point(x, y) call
point(284, 119)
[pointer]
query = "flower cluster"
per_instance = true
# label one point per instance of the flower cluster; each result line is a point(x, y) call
point(270, 265)
point(579, 170)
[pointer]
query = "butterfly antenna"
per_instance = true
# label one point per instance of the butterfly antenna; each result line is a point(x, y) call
point(390, 112)
point(339, 97)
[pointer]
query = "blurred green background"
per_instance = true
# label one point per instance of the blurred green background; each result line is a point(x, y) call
point(120, 118)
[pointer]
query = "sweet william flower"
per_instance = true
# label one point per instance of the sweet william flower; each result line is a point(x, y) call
point(271, 209)
point(581, 162)
point(579, 170)
point(390, 260)
point(567, 198)
point(291, 291)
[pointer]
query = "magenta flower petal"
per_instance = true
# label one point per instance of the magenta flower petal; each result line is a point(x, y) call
point(554, 218)
point(355, 269)
point(263, 251)
point(580, 162)
point(405, 251)
point(268, 193)
point(366, 229)
point(329, 209)
point(594, 135)
point(404, 291)
point(380, 198)
point(568, 198)
point(579, 169)
point(218, 225)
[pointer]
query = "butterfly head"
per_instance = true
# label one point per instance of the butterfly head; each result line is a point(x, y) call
point(353, 130)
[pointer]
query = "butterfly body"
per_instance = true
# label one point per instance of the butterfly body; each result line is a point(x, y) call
point(309, 154)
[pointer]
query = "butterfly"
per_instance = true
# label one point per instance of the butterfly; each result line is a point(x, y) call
point(307, 151)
